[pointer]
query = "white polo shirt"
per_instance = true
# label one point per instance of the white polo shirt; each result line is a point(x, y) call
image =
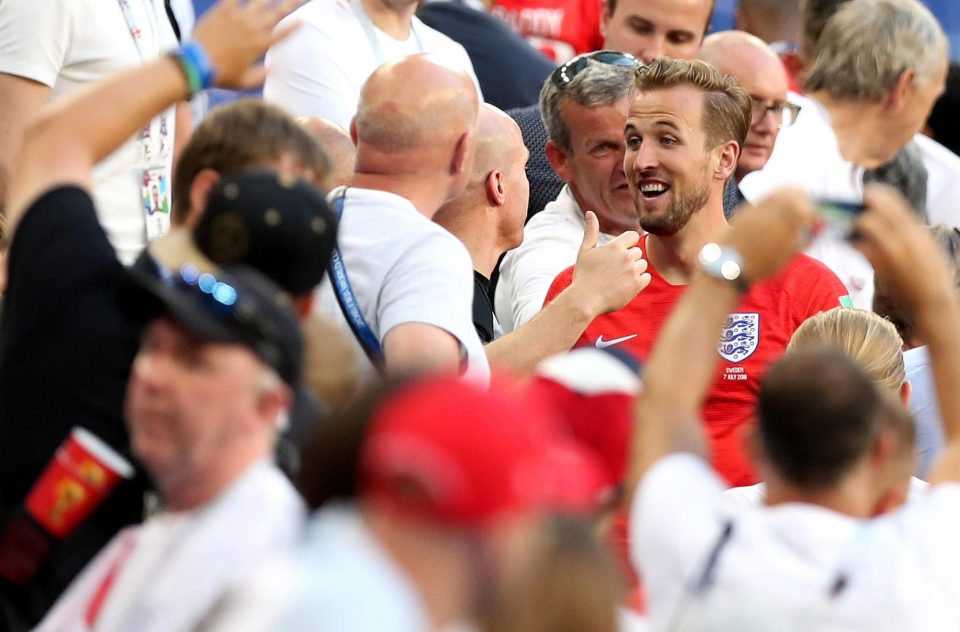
point(792, 566)
point(404, 268)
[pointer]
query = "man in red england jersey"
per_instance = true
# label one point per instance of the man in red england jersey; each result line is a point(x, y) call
point(683, 135)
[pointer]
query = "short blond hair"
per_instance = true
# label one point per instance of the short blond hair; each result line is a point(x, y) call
point(868, 339)
point(726, 105)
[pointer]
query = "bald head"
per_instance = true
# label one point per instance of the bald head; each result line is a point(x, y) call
point(499, 144)
point(337, 144)
point(759, 70)
point(415, 102)
point(771, 20)
point(489, 215)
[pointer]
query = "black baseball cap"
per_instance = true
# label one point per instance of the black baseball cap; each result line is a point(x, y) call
point(235, 304)
point(276, 223)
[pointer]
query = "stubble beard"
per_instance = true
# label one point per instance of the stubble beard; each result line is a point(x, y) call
point(682, 207)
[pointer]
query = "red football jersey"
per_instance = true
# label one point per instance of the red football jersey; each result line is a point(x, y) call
point(559, 29)
point(754, 336)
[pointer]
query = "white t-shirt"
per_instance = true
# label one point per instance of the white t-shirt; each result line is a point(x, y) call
point(404, 268)
point(174, 568)
point(792, 566)
point(340, 579)
point(551, 241)
point(943, 181)
point(69, 44)
point(755, 495)
point(807, 155)
point(320, 69)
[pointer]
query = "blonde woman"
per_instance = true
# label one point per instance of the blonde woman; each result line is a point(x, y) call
point(872, 342)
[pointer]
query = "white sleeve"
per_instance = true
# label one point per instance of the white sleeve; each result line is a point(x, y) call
point(305, 78)
point(431, 284)
point(526, 275)
point(34, 37)
point(676, 516)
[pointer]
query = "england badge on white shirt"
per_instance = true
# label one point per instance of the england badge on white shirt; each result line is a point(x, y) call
point(740, 336)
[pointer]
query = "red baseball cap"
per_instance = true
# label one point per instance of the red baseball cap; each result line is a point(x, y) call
point(446, 451)
point(591, 392)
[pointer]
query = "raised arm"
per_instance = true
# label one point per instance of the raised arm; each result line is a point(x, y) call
point(915, 272)
point(684, 358)
point(64, 143)
point(605, 279)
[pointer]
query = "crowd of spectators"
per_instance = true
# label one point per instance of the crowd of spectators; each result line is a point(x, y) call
point(507, 316)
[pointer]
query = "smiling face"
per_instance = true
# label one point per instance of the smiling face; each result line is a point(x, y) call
point(593, 168)
point(649, 29)
point(670, 170)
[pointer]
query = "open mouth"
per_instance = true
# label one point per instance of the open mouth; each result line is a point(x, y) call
point(651, 190)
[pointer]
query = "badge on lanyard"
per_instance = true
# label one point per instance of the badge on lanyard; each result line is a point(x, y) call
point(154, 177)
point(155, 195)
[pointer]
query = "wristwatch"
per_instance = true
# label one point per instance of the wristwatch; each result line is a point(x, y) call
point(725, 264)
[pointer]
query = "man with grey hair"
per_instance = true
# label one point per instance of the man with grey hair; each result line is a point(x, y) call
point(584, 105)
point(879, 67)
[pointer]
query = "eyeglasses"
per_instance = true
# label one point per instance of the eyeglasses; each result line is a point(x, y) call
point(568, 72)
point(784, 113)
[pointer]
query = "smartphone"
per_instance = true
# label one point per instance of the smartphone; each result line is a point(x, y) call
point(839, 215)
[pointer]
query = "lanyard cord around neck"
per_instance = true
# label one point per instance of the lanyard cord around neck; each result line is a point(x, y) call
point(348, 300)
point(371, 32)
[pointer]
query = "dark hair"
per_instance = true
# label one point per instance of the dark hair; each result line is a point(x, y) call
point(815, 15)
point(612, 6)
point(244, 134)
point(818, 414)
point(948, 238)
point(943, 119)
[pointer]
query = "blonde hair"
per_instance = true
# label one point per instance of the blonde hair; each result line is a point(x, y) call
point(869, 340)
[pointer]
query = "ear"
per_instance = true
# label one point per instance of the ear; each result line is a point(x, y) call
point(557, 156)
point(461, 151)
point(906, 390)
point(274, 406)
point(605, 16)
point(727, 155)
point(493, 188)
point(200, 188)
point(898, 95)
point(353, 130)
point(884, 448)
point(793, 62)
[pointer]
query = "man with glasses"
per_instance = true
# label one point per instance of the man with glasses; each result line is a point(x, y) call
point(858, 115)
point(750, 61)
point(683, 135)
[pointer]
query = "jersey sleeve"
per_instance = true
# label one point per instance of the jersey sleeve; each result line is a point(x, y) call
point(815, 289)
point(34, 37)
point(305, 78)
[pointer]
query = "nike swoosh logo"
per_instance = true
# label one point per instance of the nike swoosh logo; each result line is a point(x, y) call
point(603, 344)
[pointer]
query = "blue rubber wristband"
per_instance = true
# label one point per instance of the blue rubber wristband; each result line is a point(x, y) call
point(194, 54)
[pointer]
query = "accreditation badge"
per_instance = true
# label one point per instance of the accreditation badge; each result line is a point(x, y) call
point(155, 198)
